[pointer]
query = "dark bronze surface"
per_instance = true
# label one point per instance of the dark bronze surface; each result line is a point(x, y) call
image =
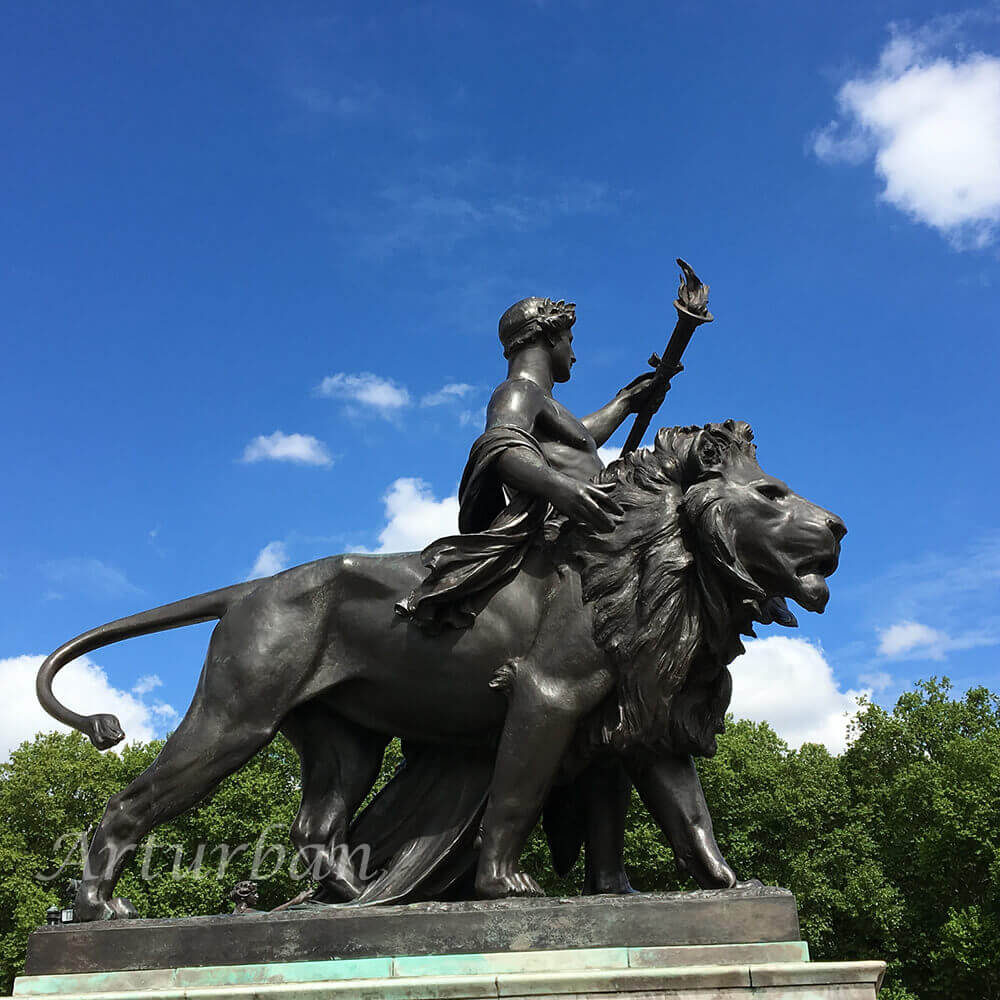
point(647, 920)
point(573, 638)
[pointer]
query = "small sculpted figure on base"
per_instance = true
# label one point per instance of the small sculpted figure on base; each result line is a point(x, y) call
point(574, 638)
point(244, 895)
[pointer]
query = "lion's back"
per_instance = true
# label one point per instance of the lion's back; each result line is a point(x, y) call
point(333, 626)
point(347, 576)
point(306, 608)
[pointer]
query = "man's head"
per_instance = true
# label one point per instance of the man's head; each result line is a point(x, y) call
point(535, 320)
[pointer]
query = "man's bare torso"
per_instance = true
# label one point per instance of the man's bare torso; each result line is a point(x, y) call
point(566, 443)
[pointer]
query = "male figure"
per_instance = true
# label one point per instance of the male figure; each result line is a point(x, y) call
point(534, 458)
point(537, 338)
point(532, 467)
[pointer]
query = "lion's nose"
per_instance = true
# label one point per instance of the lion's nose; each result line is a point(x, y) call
point(837, 526)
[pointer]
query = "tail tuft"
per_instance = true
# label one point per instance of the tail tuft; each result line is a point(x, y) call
point(104, 731)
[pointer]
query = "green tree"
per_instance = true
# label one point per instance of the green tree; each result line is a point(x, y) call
point(927, 777)
point(57, 785)
point(891, 848)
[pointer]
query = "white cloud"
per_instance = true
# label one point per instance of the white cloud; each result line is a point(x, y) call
point(608, 453)
point(382, 395)
point(904, 637)
point(303, 449)
point(877, 680)
point(473, 418)
point(932, 124)
point(789, 684)
point(916, 641)
point(414, 518)
point(271, 559)
point(83, 686)
point(146, 683)
point(90, 575)
point(448, 393)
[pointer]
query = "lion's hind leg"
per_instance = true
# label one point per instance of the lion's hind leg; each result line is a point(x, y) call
point(340, 762)
point(216, 737)
point(191, 764)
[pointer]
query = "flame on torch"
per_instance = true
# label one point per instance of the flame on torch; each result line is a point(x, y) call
point(692, 295)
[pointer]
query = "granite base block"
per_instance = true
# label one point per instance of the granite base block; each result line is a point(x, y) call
point(779, 971)
point(312, 934)
point(689, 946)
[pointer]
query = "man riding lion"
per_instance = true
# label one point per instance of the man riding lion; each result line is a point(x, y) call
point(599, 643)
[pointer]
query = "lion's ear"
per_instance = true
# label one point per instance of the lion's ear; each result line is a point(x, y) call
point(708, 453)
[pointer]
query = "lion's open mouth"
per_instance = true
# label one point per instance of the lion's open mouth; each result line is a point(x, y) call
point(810, 589)
point(819, 566)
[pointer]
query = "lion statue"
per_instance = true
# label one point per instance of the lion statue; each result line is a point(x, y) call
point(615, 644)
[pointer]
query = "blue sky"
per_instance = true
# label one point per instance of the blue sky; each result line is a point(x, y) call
point(253, 256)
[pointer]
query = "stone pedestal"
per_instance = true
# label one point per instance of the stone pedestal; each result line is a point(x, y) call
point(701, 946)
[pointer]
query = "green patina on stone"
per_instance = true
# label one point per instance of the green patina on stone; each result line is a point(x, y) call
point(506, 962)
point(441, 976)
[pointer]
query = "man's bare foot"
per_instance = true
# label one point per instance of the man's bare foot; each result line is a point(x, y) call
point(504, 886)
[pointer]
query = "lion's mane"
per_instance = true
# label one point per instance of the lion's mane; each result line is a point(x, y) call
point(668, 593)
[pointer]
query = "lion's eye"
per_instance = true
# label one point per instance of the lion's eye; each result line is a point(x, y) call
point(772, 491)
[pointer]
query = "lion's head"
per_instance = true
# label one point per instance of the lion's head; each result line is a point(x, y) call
point(709, 544)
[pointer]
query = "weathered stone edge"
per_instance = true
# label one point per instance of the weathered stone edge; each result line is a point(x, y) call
point(437, 966)
point(867, 975)
point(715, 977)
point(817, 973)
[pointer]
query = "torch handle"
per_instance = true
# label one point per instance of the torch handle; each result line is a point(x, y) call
point(671, 358)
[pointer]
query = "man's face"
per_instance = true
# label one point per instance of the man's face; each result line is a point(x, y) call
point(563, 357)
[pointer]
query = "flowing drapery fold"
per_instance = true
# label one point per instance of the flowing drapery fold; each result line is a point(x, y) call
point(496, 535)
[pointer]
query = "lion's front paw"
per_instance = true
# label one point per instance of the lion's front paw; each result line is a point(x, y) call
point(503, 886)
point(88, 906)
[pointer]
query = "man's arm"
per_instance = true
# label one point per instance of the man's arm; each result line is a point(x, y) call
point(604, 422)
point(518, 403)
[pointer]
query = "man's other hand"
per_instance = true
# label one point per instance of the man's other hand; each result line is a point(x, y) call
point(643, 389)
point(587, 503)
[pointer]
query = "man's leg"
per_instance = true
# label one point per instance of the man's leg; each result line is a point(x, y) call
point(540, 724)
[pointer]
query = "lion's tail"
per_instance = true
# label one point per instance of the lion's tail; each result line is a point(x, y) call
point(105, 730)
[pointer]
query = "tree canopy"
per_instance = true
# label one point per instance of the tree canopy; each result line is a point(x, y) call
point(891, 848)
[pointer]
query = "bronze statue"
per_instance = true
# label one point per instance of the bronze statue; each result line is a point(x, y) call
point(244, 895)
point(539, 456)
point(542, 458)
point(533, 450)
point(580, 629)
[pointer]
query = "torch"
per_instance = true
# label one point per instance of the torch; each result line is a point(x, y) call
point(692, 310)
